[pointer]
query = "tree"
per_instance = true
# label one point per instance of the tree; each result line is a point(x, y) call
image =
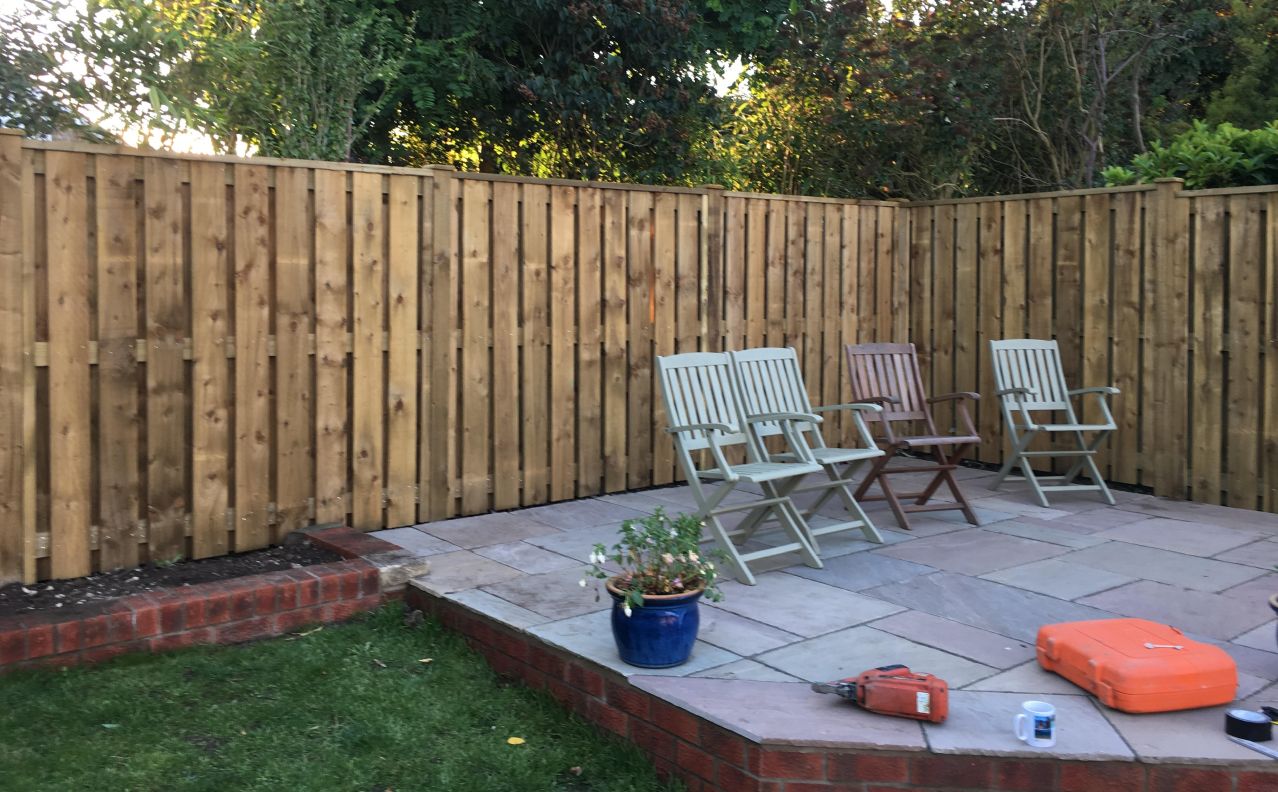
point(1249, 96)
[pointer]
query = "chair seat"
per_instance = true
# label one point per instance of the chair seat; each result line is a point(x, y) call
point(1075, 427)
point(837, 456)
point(756, 472)
point(915, 442)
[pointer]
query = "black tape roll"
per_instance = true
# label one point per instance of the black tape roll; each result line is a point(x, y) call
point(1248, 725)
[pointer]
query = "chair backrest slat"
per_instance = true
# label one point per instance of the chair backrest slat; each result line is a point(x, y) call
point(698, 388)
point(888, 370)
point(770, 381)
point(1034, 365)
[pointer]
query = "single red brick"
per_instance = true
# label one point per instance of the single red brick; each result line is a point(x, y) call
point(504, 665)
point(243, 604)
point(651, 739)
point(346, 609)
point(722, 743)
point(120, 627)
point(146, 620)
point(264, 598)
point(695, 760)
point(585, 680)
point(788, 764)
point(350, 584)
point(547, 662)
point(511, 645)
point(193, 612)
point(735, 779)
point(39, 641)
point(1025, 776)
point(611, 718)
point(951, 771)
point(373, 581)
point(166, 643)
point(68, 634)
point(330, 583)
point(93, 631)
point(13, 646)
point(1257, 782)
point(246, 630)
point(294, 619)
point(627, 698)
point(103, 653)
point(1189, 779)
point(867, 767)
point(308, 589)
point(566, 695)
point(1102, 776)
point(286, 594)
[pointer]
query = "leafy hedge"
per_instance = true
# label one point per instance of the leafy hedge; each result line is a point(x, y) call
point(1207, 157)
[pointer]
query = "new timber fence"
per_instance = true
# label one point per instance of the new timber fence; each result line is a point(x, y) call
point(198, 355)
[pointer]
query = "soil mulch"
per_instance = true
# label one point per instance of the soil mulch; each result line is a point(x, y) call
point(17, 599)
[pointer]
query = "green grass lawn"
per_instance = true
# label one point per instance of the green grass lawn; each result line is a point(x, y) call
point(349, 707)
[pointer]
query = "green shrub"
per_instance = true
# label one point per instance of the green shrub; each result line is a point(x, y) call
point(1206, 157)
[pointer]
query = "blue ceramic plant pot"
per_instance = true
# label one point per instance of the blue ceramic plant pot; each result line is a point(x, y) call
point(658, 635)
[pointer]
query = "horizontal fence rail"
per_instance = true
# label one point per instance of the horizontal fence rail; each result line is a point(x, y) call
point(200, 354)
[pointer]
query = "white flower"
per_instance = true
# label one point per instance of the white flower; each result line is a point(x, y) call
point(669, 559)
point(597, 558)
point(693, 557)
point(582, 582)
point(626, 609)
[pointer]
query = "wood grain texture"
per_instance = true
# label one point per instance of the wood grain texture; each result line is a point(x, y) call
point(774, 271)
point(1208, 338)
point(476, 320)
point(294, 301)
point(563, 317)
point(252, 287)
point(440, 391)
point(755, 278)
point(505, 372)
point(536, 351)
point(990, 278)
point(13, 320)
point(615, 333)
point(1127, 301)
point(1171, 338)
point(368, 323)
point(1243, 422)
point(403, 268)
point(663, 318)
point(332, 323)
point(640, 393)
point(590, 342)
point(1096, 290)
point(967, 307)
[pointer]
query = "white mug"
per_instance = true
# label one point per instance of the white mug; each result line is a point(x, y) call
point(1036, 724)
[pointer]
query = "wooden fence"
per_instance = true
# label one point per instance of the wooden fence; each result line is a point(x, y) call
point(198, 355)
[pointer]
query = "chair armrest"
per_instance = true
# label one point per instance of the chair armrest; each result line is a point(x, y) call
point(784, 416)
point(881, 400)
point(857, 406)
point(1015, 392)
point(701, 427)
point(793, 436)
point(1107, 390)
point(711, 430)
point(955, 396)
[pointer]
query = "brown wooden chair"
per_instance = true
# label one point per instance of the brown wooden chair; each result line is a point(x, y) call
point(888, 375)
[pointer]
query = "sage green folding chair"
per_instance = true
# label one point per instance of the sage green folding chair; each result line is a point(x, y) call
point(770, 381)
point(704, 411)
point(1030, 380)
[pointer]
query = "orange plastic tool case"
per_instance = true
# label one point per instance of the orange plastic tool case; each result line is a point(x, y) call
point(1135, 665)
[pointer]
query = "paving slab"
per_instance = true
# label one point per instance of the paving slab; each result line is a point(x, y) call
point(1099, 519)
point(582, 514)
point(1255, 593)
point(1046, 531)
point(1190, 538)
point(1018, 507)
point(1204, 512)
point(980, 723)
point(1262, 638)
point(1190, 736)
point(922, 524)
point(556, 595)
point(577, 543)
point(738, 634)
point(463, 569)
point(849, 652)
point(498, 609)
point(528, 558)
point(983, 646)
point(1027, 678)
point(746, 669)
point(1164, 566)
point(1059, 579)
point(800, 606)
point(862, 570)
point(487, 529)
point(1185, 609)
point(973, 552)
point(590, 636)
point(983, 516)
point(785, 713)
point(1263, 554)
point(1257, 662)
point(415, 540)
point(985, 604)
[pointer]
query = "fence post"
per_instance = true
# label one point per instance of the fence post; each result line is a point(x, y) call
point(712, 276)
point(14, 357)
point(901, 271)
point(441, 429)
point(1168, 324)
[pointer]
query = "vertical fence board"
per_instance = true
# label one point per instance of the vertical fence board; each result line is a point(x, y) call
point(475, 323)
point(589, 342)
point(442, 334)
point(795, 248)
point(813, 282)
point(1270, 382)
point(1127, 331)
point(166, 329)
point(211, 373)
point(1208, 382)
point(775, 272)
point(734, 268)
point(293, 307)
point(332, 322)
point(849, 247)
point(884, 264)
point(663, 312)
point(944, 342)
point(1243, 409)
point(831, 351)
point(1096, 290)
point(867, 217)
point(368, 286)
point(119, 479)
point(252, 366)
point(14, 319)
point(536, 363)
point(505, 372)
point(615, 370)
point(563, 312)
point(1067, 325)
point(1171, 337)
point(403, 291)
point(990, 423)
point(756, 273)
point(966, 326)
point(921, 292)
point(639, 296)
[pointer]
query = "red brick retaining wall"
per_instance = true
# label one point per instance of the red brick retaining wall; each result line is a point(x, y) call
point(707, 757)
point(220, 612)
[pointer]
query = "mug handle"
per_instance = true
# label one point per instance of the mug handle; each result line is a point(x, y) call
point(1016, 726)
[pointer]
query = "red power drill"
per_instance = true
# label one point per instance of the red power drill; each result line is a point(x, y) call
point(894, 690)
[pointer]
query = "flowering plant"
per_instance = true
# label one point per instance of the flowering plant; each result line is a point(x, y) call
point(657, 554)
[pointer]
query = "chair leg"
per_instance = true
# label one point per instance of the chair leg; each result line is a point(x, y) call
point(793, 522)
point(946, 477)
point(849, 503)
point(1032, 478)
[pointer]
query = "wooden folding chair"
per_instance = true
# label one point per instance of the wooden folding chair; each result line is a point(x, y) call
point(769, 381)
point(888, 375)
point(704, 410)
point(1030, 379)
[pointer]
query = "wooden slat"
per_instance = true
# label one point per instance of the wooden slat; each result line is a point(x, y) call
point(813, 288)
point(1069, 310)
point(901, 294)
point(536, 363)
point(1095, 372)
point(1127, 330)
point(615, 376)
point(476, 291)
point(775, 274)
point(505, 373)
point(991, 328)
point(1270, 264)
point(252, 367)
point(68, 310)
point(1039, 290)
point(210, 370)
point(13, 321)
point(119, 479)
point(166, 329)
point(921, 294)
point(1170, 338)
point(756, 278)
point(944, 342)
point(795, 248)
point(734, 271)
point(966, 319)
point(294, 303)
point(639, 296)
point(589, 342)
point(831, 349)
point(1243, 411)
point(663, 312)
point(368, 287)
point(440, 388)
point(563, 316)
point(332, 323)
point(403, 292)
point(712, 259)
point(867, 279)
point(1208, 384)
point(32, 304)
point(849, 249)
point(885, 256)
